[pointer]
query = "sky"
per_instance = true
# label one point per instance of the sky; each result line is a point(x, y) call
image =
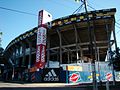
point(12, 23)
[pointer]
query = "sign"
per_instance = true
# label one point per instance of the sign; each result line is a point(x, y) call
point(43, 18)
point(74, 68)
point(108, 76)
point(51, 75)
point(41, 47)
point(74, 77)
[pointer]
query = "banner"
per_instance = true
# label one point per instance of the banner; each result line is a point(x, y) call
point(41, 47)
point(51, 75)
point(86, 77)
point(43, 18)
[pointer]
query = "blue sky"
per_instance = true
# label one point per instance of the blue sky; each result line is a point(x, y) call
point(13, 24)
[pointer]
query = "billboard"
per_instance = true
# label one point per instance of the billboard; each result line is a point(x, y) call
point(86, 77)
point(43, 18)
point(74, 68)
point(51, 75)
point(41, 47)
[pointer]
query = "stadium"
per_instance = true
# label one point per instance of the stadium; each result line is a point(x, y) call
point(68, 47)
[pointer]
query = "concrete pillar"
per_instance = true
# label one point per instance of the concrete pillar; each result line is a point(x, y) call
point(30, 55)
point(60, 45)
point(23, 53)
point(76, 41)
point(30, 52)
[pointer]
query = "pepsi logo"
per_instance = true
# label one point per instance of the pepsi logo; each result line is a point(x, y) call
point(108, 76)
point(74, 77)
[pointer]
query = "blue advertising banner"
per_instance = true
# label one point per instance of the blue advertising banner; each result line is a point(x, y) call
point(86, 77)
point(63, 76)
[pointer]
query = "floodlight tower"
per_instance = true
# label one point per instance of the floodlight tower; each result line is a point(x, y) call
point(91, 45)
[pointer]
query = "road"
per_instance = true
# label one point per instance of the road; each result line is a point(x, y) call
point(40, 86)
point(49, 86)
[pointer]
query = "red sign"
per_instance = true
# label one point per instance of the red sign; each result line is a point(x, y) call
point(74, 77)
point(40, 56)
point(41, 42)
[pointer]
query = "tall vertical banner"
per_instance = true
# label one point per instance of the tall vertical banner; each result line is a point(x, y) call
point(43, 18)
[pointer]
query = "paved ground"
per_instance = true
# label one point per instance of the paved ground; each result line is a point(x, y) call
point(5, 84)
point(51, 86)
point(40, 86)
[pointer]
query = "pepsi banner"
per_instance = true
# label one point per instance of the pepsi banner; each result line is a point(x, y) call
point(51, 75)
point(86, 77)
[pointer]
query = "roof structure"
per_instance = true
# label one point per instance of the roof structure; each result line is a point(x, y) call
point(73, 31)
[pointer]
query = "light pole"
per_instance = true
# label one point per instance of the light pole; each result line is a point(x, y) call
point(91, 48)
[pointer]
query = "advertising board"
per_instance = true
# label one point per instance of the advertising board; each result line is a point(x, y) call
point(51, 75)
point(43, 18)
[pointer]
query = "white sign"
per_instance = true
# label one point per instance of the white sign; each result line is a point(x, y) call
point(41, 36)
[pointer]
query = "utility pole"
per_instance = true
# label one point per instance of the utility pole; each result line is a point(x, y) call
point(91, 48)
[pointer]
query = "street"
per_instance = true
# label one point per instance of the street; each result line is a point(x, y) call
point(50, 86)
point(40, 86)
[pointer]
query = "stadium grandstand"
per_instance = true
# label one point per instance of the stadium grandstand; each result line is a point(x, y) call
point(67, 43)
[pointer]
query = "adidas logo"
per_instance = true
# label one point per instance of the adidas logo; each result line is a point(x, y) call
point(51, 76)
point(51, 73)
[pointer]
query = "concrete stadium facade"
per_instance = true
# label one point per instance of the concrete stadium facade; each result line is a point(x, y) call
point(67, 42)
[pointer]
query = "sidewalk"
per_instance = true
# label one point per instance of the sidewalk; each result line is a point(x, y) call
point(10, 84)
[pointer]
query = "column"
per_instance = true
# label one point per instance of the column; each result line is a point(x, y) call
point(60, 45)
point(76, 41)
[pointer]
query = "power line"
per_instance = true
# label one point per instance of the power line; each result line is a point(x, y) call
point(117, 23)
point(117, 26)
point(117, 31)
point(118, 20)
point(78, 9)
point(17, 11)
point(91, 7)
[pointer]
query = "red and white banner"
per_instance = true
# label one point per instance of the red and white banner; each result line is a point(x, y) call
point(43, 18)
point(41, 47)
